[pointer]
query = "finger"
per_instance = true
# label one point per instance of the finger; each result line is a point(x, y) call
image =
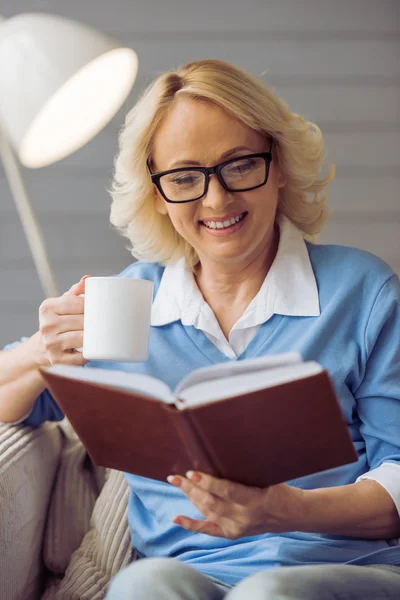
point(57, 344)
point(70, 340)
point(66, 305)
point(73, 358)
point(77, 288)
point(222, 488)
point(62, 324)
point(68, 358)
point(208, 504)
point(207, 527)
point(66, 323)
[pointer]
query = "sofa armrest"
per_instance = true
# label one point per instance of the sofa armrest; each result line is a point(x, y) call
point(28, 462)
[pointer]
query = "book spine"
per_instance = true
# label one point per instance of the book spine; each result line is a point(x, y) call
point(201, 460)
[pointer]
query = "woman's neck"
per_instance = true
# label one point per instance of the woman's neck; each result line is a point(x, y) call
point(229, 288)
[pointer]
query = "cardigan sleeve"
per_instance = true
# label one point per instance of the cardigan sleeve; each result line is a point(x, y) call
point(378, 395)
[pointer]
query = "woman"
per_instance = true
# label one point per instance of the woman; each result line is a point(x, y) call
point(218, 180)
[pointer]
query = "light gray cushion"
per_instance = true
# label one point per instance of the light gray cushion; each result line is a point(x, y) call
point(104, 550)
point(28, 463)
point(77, 486)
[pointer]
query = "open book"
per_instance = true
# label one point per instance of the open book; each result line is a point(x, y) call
point(258, 422)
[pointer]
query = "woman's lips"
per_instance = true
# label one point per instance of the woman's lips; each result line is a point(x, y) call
point(226, 218)
point(226, 230)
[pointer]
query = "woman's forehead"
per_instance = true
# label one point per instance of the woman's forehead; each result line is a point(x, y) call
point(199, 131)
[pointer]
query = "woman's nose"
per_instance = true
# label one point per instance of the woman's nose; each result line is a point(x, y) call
point(217, 196)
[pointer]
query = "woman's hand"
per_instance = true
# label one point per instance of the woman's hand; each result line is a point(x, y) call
point(61, 327)
point(233, 510)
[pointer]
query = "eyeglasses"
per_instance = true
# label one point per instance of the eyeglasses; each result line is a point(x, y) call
point(241, 174)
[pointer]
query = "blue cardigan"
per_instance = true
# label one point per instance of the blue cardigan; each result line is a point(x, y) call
point(357, 339)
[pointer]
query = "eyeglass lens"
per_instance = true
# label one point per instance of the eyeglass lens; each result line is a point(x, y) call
point(237, 175)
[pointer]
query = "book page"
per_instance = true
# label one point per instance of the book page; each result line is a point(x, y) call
point(214, 390)
point(228, 369)
point(149, 386)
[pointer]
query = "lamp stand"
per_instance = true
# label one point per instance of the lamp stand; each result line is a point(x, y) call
point(28, 218)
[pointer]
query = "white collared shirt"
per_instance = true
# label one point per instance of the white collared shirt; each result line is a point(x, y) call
point(289, 289)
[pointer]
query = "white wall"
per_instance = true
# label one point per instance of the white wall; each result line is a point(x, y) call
point(335, 61)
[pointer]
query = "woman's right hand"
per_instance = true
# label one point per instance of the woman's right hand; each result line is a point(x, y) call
point(61, 327)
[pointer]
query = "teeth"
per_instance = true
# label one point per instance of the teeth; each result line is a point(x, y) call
point(223, 224)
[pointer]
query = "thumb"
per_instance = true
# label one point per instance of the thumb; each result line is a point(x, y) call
point(77, 288)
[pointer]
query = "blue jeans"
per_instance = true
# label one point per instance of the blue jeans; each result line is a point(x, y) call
point(169, 579)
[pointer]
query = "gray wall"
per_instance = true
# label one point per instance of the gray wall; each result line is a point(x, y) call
point(335, 61)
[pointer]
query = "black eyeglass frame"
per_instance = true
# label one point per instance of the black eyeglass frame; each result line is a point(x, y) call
point(207, 171)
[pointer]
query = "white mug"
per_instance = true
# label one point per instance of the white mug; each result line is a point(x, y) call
point(116, 324)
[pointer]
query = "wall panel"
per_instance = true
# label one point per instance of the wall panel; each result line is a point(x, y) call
point(335, 61)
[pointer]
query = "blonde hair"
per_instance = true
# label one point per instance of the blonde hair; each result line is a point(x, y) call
point(298, 148)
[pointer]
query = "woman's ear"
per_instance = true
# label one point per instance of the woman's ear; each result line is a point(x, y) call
point(281, 180)
point(279, 177)
point(159, 202)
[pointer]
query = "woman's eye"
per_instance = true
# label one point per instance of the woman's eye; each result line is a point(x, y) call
point(241, 167)
point(188, 180)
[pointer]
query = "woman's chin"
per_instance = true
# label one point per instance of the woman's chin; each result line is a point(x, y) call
point(223, 255)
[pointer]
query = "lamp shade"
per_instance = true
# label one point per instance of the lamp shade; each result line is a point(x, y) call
point(60, 83)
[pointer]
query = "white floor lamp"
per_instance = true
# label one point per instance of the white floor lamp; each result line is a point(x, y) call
point(61, 82)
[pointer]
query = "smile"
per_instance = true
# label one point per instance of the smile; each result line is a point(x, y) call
point(224, 224)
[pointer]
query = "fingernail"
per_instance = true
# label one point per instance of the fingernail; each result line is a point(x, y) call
point(174, 479)
point(177, 521)
point(193, 476)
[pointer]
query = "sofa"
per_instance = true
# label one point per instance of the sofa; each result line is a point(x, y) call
point(63, 521)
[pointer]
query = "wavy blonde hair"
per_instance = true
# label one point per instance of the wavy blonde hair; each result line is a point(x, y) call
point(298, 148)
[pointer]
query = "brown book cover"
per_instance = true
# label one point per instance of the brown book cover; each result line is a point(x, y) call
point(259, 438)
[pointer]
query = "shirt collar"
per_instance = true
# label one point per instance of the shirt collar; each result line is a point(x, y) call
point(289, 288)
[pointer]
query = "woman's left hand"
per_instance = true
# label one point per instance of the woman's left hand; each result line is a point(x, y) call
point(232, 510)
